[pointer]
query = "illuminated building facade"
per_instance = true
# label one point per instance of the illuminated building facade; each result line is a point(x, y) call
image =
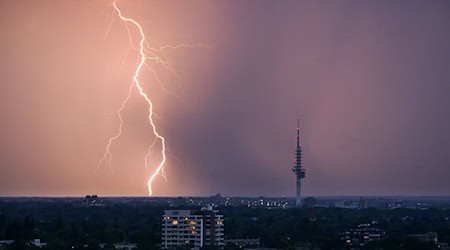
point(194, 229)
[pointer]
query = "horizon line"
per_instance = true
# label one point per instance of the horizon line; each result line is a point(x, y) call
point(223, 196)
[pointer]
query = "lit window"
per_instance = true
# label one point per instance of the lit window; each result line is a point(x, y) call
point(175, 222)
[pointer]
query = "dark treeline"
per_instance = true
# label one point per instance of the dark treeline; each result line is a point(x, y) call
point(71, 227)
point(65, 226)
point(321, 227)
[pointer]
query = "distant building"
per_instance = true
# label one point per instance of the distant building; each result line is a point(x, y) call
point(443, 246)
point(310, 202)
point(35, 242)
point(92, 201)
point(5, 243)
point(180, 201)
point(193, 229)
point(120, 245)
point(38, 243)
point(363, 203)
point(397, 204)
point(428, 237)
point(362, 235)
point(263, 248)
point(216, 199)
point(125, 246)
point(241, 243)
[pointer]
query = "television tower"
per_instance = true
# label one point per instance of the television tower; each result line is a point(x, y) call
point(297, 168)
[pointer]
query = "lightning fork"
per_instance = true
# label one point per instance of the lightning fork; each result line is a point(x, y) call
point(146, 52)
point(145, 96)
point(137, 84)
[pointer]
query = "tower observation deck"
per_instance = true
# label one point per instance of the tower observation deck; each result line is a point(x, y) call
point(298, 170)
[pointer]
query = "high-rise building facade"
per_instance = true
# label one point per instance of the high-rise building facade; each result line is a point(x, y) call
point(194, 229)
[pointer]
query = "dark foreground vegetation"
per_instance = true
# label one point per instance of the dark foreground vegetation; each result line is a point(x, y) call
point(66, 226)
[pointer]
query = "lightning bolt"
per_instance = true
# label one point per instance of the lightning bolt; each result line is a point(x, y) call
point(137, 84)
point(146, 52)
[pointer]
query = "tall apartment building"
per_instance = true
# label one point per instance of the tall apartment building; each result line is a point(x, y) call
point(194, 229)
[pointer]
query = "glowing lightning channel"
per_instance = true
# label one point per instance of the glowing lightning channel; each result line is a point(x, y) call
point(143, 94)
point(136, 83)
point(119, 132)
point(146, 52)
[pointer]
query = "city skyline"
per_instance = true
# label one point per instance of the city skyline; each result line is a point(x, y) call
point(368, 80)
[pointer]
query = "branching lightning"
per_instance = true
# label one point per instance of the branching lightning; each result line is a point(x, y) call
point(146, 52)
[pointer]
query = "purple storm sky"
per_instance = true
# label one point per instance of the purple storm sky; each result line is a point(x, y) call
point(370, 81)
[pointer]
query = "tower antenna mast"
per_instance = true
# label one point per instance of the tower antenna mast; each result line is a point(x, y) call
point(298, 170)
